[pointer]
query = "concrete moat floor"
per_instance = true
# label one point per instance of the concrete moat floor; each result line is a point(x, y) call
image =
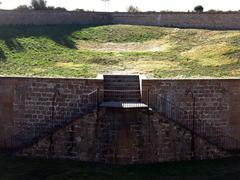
point(12, 168)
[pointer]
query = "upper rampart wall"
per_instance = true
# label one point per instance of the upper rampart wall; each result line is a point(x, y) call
point(52, 18)
point(181, 20)
point(218, 20)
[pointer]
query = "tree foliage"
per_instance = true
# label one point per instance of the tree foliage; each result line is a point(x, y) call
point(199, 8)
point(23, 8)
point(133, 9)
point(39, 4)
point(79, 10)
point(60, 9)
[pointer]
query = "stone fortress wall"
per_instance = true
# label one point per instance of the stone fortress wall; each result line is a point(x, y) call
point(26, 108)
point(218, 20)
point(27, 104)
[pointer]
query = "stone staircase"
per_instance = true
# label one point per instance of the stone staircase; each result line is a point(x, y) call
point(121, 88)
point(120, 111)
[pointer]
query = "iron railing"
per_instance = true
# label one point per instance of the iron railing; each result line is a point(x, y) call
point(154, 100)
point(205, 130)
point(120, 95)
point(128, 98)
point(99, 95)
point(92, 98)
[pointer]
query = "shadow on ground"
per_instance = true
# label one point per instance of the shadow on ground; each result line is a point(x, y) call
point(14, 45)
point(35, 169)
point(2, 55)
point(61, 34)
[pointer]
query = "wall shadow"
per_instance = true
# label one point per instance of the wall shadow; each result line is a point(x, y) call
point(61, 34)
point(14, 45)
point(2, 55)
point(234, 54)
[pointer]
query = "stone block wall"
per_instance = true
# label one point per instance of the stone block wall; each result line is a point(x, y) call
point(52, 18)
point(217, 100)
point(218, 20)
point(75, 141)
point(180, 19)
point(31, 107)
point(122, 137)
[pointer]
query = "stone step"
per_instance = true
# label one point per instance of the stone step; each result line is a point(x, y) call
point(127, 83)
point(132, 95)
point(122, 88)
point(123, 92)
point(122, 99)
point(122, 96)
point(116, 83)
point(120, 76)
point(121, 79)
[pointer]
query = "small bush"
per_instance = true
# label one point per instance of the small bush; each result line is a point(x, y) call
point(133, 9)
point(23, 8)
point(39, 4)
point(198, 8)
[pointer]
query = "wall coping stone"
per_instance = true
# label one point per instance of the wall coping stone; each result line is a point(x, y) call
point(98, 12)
point(100, 78)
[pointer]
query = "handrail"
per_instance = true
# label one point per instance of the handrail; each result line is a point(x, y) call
point(203, 129)
point(116, 90)
point(119, 95)
point(169, 110)
point(94, 91)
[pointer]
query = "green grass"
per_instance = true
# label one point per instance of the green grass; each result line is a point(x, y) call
point(36, 169)
point(119, 34)
point(74, 51)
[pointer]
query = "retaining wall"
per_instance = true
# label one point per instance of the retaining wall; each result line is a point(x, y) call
point(217, 100)
point(181, 20)
point(125, 136)
point(30, 107)
point(218, 20)
point(26, 108)
point(52, 18)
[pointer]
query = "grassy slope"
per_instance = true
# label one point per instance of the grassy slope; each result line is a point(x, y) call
point(36, 169)
point(56, 51)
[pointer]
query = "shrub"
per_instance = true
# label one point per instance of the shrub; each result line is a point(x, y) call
point(23, 8)
point(133, 9)
point(39, 4)
point(198, 8)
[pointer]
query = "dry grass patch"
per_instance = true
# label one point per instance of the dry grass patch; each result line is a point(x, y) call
point(149, 46)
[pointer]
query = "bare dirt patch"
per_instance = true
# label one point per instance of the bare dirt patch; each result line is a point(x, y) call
point(149, 46)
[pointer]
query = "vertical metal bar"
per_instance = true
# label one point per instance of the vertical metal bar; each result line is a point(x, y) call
point(193, 135)
point(148, 96)
point(97, 96)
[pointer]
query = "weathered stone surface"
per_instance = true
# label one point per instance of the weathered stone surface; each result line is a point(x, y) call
point(218, 20)
point(31, 107)
point(216, 100)
point(6, 114)
point(27, 112)
point(124, 137)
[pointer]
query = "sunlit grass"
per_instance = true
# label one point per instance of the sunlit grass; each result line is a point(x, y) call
point(75, 51)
